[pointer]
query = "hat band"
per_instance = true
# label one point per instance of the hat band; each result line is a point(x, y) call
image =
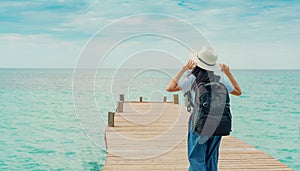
point(205, 62)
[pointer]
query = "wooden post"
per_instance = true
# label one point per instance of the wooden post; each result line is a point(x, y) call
point(165, 99)
point(121, 97)
point(120, 107)
point(176, 101)
point(111, 119)
point(141, 99)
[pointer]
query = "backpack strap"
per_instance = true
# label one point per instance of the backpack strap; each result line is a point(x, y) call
point(190, 103)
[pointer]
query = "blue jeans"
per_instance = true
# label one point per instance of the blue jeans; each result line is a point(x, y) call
point(203, 156)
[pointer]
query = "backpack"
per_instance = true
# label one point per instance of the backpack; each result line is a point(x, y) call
point(211, 114)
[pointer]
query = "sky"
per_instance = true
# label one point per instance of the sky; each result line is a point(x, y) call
point(53, 34)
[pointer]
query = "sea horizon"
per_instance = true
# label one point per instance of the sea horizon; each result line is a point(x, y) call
point(40, 127)
point(233, 69)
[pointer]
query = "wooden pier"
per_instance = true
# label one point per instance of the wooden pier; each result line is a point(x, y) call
point(144, 136)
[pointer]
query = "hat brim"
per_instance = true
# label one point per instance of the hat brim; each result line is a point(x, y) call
point(216, 67)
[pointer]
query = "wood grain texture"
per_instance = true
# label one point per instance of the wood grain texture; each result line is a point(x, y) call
point(153, 136)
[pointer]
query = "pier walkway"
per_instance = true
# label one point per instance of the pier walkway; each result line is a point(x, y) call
point(144, 136)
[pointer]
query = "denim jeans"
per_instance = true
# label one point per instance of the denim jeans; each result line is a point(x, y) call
point(203, 156)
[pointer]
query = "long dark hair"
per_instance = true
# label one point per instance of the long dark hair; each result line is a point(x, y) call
point(204, 76)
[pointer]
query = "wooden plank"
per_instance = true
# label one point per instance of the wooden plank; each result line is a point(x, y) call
point(111, 119)
point(176, 100)
point(152, 136)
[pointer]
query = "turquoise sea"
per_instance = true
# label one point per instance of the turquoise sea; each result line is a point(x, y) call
point(41, 131)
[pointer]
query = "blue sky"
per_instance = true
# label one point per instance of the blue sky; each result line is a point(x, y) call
point(247, 34)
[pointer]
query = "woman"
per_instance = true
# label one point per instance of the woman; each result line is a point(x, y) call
point(203, 156)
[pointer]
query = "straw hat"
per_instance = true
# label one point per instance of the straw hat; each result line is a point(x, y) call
point(206, 58)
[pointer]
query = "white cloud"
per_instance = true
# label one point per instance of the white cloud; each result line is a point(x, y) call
point(37, 51)
point(226, 23)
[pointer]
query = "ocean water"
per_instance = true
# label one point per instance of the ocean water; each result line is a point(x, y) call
point(42, 128)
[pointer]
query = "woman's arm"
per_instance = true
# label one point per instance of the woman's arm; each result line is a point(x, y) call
point(173, 84)
point(237, 90)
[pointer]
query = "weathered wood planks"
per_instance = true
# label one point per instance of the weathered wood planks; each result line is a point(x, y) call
point(152, 136)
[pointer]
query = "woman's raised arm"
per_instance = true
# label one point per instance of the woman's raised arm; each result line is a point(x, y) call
point(173, 84)
point(237, 90)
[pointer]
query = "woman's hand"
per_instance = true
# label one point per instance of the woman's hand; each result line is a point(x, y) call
point(237, 90)
point(173, 84)
point(225, 68)
point(190, 65)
